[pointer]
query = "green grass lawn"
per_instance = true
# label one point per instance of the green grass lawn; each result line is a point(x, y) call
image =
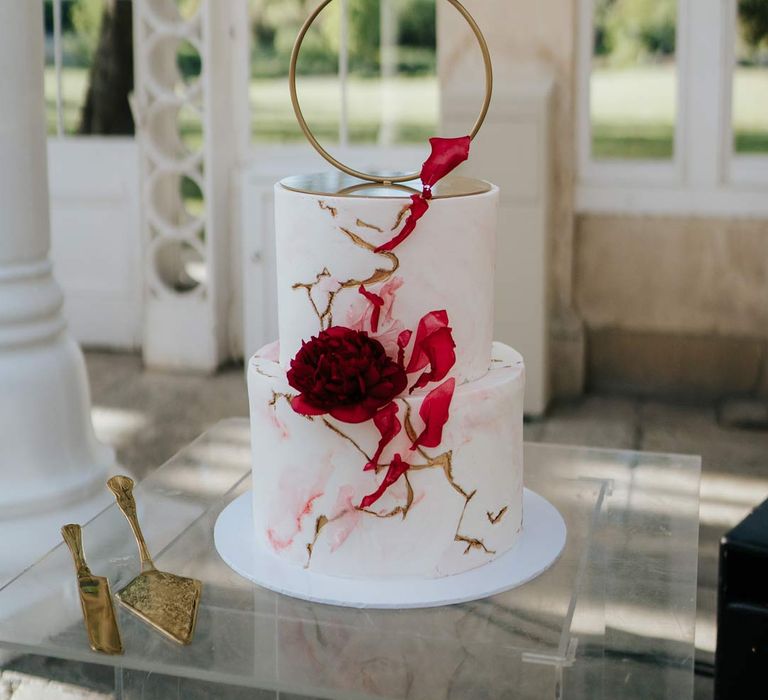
point(414, 106)
point(74, 84)
point(750, 106)
point(413, 102)
point(633, 112)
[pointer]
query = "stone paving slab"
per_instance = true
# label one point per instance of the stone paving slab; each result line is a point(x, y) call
point(149, 415)
point(20, 686)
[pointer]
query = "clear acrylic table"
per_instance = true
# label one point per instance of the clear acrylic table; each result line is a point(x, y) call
point(614, 617)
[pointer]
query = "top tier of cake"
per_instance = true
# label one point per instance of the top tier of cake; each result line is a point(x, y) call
point(325, 250)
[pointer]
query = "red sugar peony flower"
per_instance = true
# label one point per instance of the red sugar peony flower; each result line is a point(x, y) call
point(346, 374)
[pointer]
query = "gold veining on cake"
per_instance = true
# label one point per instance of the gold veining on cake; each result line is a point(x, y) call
point(342, 434)
point(500, 364)
point(277, 395)
point(474, 543)
point(445, 462)
point(379, 275)
point(409, 495)
point(400, 216)
point(327, 207)
point(323, 520)
point(493, 519)
point(326, 315)
point(320, 523)
point(398, 510)
point(471, 542)
point(258, 369)
point(364, 224)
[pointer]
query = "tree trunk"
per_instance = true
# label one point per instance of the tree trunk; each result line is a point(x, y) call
point(106, 109)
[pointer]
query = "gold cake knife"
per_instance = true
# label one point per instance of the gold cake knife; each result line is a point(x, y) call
point(167, 602)
point(95, 598)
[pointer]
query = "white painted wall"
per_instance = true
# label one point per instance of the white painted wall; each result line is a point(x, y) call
point(514, 152)
point(95, 237)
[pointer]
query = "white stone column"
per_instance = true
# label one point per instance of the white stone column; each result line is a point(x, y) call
point(514, 151)
point(49, 456)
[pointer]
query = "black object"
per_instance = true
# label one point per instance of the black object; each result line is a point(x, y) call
point(741, 661)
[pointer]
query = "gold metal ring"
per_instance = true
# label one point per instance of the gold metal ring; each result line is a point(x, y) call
point(345, 168)
point(361, 187)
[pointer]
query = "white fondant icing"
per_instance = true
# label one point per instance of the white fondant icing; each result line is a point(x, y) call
point(308, 480)
point(447, 263)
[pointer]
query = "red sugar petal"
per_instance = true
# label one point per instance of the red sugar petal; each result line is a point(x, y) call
point(388, 426)
point(402, 343)
point(377, 302)
point(357, 413)
point(418, 208)
point(302, 406)
point(433, 346)
point(438, 347)
point(447, 154)
point(434, 411)
point(396, 469)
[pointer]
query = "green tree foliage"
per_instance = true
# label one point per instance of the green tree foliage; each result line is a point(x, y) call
point(633, 31)
point(417, 24)
point(275, 24)
point(106, 109)
point(754, 22)
point(364, 32)
point(86, 22)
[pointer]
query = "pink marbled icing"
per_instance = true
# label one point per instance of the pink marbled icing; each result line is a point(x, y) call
point(281, 427)
point(359, 316)
point(296, 502)
point(322, 290)
point(345, 517)
point(271, 352)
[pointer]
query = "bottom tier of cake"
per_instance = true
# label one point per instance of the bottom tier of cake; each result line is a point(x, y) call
point(457, 507)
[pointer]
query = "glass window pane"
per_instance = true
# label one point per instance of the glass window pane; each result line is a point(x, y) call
point(84, 35)
point(633, 85)
point(391, 93)
point(750, 79)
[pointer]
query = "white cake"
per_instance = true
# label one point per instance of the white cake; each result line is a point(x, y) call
point(458, 504)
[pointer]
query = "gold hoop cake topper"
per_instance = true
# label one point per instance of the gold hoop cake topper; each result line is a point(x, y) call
point(383, 179)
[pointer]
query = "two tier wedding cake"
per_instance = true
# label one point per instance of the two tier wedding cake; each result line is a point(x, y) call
point(386, 424)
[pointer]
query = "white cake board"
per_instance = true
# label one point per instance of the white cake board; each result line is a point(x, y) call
point(539, 546)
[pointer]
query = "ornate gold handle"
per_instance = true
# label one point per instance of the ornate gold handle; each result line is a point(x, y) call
point(357, 173)
point(73, 537)
point(122, 487)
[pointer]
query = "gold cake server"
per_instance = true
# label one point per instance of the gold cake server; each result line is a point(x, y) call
point(95, 598)
point(167, 602)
